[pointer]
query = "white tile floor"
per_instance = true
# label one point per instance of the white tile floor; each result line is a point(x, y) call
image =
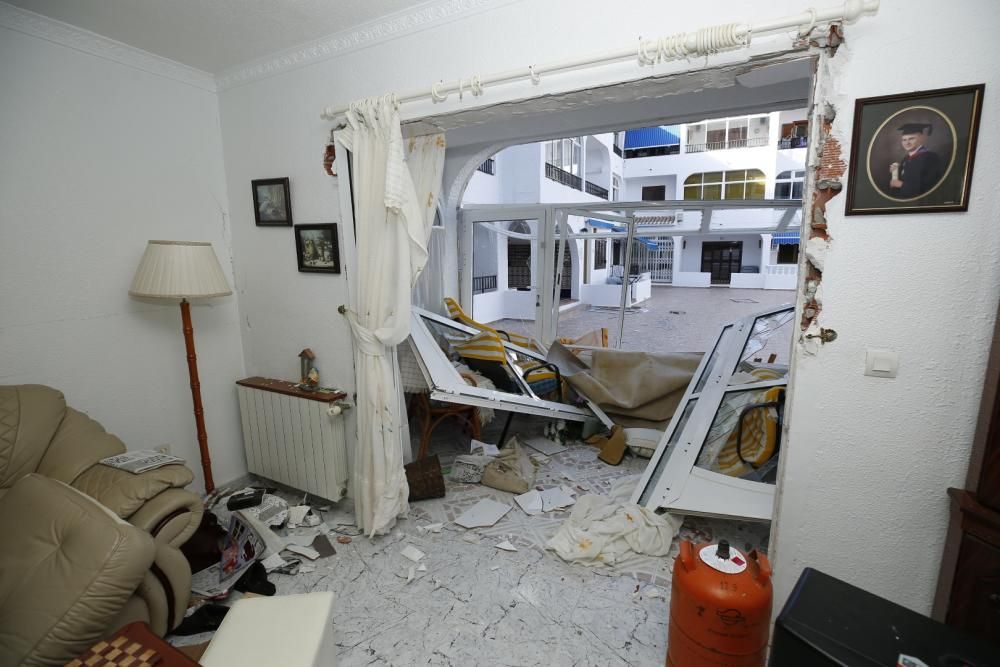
point(479, 605)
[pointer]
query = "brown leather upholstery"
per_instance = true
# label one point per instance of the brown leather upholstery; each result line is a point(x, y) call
point(40, 434)
point(67, 567)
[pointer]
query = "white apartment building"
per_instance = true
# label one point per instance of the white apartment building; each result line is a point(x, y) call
point(757, 157)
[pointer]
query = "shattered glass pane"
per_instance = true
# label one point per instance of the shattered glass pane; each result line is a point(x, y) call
point(768, 349)
point(759, 437)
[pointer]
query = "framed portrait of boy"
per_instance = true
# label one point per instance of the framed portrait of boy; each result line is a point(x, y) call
point(914, 152)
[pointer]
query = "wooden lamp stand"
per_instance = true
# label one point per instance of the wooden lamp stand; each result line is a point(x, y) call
point(199, 410)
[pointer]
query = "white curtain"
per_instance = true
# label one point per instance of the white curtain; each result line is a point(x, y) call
point(428, 293)
point(393, 213)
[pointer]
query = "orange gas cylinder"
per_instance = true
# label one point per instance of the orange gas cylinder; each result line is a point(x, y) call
point(720, 607)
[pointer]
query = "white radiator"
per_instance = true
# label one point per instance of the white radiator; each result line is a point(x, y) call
point(294, 441)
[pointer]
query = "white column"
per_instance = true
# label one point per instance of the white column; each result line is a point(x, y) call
point(765, 252)
point(678, 252)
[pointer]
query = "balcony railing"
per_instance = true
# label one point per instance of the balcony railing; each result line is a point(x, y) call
point(793, 142)
point(483, 284)
point(596, 190)
point(488, 167)
point(558, 175)
point(723, 145)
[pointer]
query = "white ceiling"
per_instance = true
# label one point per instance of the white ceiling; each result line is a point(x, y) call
point(215, 35)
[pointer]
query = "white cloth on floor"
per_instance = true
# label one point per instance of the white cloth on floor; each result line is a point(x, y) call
point(610, 531)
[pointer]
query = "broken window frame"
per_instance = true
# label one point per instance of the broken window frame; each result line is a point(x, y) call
point(672, 480)
point(446, 384)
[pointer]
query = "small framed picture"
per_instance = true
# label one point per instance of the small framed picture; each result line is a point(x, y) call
point(317, 249)
point(913, 153)
point(272, 205)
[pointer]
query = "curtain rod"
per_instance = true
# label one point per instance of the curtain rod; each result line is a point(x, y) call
point(702, 42)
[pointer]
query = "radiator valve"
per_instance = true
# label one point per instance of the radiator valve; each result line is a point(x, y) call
point(338, 409)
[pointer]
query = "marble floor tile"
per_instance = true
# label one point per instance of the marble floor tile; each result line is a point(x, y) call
point(479, 605)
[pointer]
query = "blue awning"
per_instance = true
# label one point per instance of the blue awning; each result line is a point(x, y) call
point(647, 137)
point(785, 238)
point(601, 224)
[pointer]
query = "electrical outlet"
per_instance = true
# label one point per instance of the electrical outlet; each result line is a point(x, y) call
point(163, 449)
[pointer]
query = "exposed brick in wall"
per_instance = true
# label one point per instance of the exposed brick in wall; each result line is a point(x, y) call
point(828, 185)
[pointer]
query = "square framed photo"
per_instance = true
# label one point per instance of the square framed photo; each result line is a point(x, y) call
point(272, 205)
point(914, 152)
point(316, 248)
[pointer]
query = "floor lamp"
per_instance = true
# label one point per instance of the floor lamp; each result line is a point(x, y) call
point(183, 270)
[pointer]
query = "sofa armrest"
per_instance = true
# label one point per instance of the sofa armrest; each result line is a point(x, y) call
point(171, 517)
point(123, 492)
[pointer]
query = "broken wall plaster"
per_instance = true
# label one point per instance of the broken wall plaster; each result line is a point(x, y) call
point(828, 167)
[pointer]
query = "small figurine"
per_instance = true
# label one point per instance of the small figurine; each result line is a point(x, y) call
point(312, 379)
point(306, 358)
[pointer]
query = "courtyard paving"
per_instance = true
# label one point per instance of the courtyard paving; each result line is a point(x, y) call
point(675, 319)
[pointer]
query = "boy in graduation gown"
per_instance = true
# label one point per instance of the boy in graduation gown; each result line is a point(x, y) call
point(920, 169)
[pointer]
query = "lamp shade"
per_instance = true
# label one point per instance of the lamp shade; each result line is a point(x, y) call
point(179, 269)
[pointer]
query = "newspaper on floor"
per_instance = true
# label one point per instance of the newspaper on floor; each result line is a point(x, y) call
point(243, 546)
point(140, 461)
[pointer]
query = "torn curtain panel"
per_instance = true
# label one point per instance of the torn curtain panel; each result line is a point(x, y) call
point(395, 186)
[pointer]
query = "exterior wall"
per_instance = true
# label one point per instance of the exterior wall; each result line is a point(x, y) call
point(484, 188)
point(98, 158)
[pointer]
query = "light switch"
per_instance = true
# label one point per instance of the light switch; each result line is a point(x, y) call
point(881, 363)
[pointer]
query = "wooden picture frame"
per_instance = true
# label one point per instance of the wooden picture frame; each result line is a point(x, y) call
point(272, 203)
point(914, 152)
point(317, 249)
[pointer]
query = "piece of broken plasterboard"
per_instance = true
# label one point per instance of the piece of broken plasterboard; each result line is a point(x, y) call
point(412, 553)
point(555, 498)
point(530, 502)
point(506, 546)
point(543, 445)
point(484, 513)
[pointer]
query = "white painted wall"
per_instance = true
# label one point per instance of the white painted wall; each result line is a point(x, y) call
point(635, 184)
point(869, 460)
point(96, 159)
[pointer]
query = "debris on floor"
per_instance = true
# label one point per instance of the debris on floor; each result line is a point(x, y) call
point(412, 553)
point(530, 502)
point(512, 471)
point(430, 528)
point(483, 514)
point(555, 498)
point(343, 539)
point(506, 546)
point(544, 446)
point(477, 448)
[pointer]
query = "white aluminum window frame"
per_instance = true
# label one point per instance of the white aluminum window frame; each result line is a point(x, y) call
point(446, 384)
point(672, 480)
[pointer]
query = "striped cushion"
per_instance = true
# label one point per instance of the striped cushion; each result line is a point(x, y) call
point(484, 346)
point(456, 313)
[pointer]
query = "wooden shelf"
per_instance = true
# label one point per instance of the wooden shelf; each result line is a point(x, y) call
point(289, 389)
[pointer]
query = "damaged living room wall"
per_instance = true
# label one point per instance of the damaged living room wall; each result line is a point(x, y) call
point(869, 460)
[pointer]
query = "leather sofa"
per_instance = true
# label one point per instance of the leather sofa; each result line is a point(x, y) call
point(40, 434)
point(67, 566)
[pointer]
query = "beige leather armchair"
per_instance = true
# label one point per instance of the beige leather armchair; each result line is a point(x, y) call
point(67, 567)
point(40, 434)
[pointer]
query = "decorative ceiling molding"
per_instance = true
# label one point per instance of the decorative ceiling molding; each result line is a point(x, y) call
point(72, 37)
point(393, 26)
